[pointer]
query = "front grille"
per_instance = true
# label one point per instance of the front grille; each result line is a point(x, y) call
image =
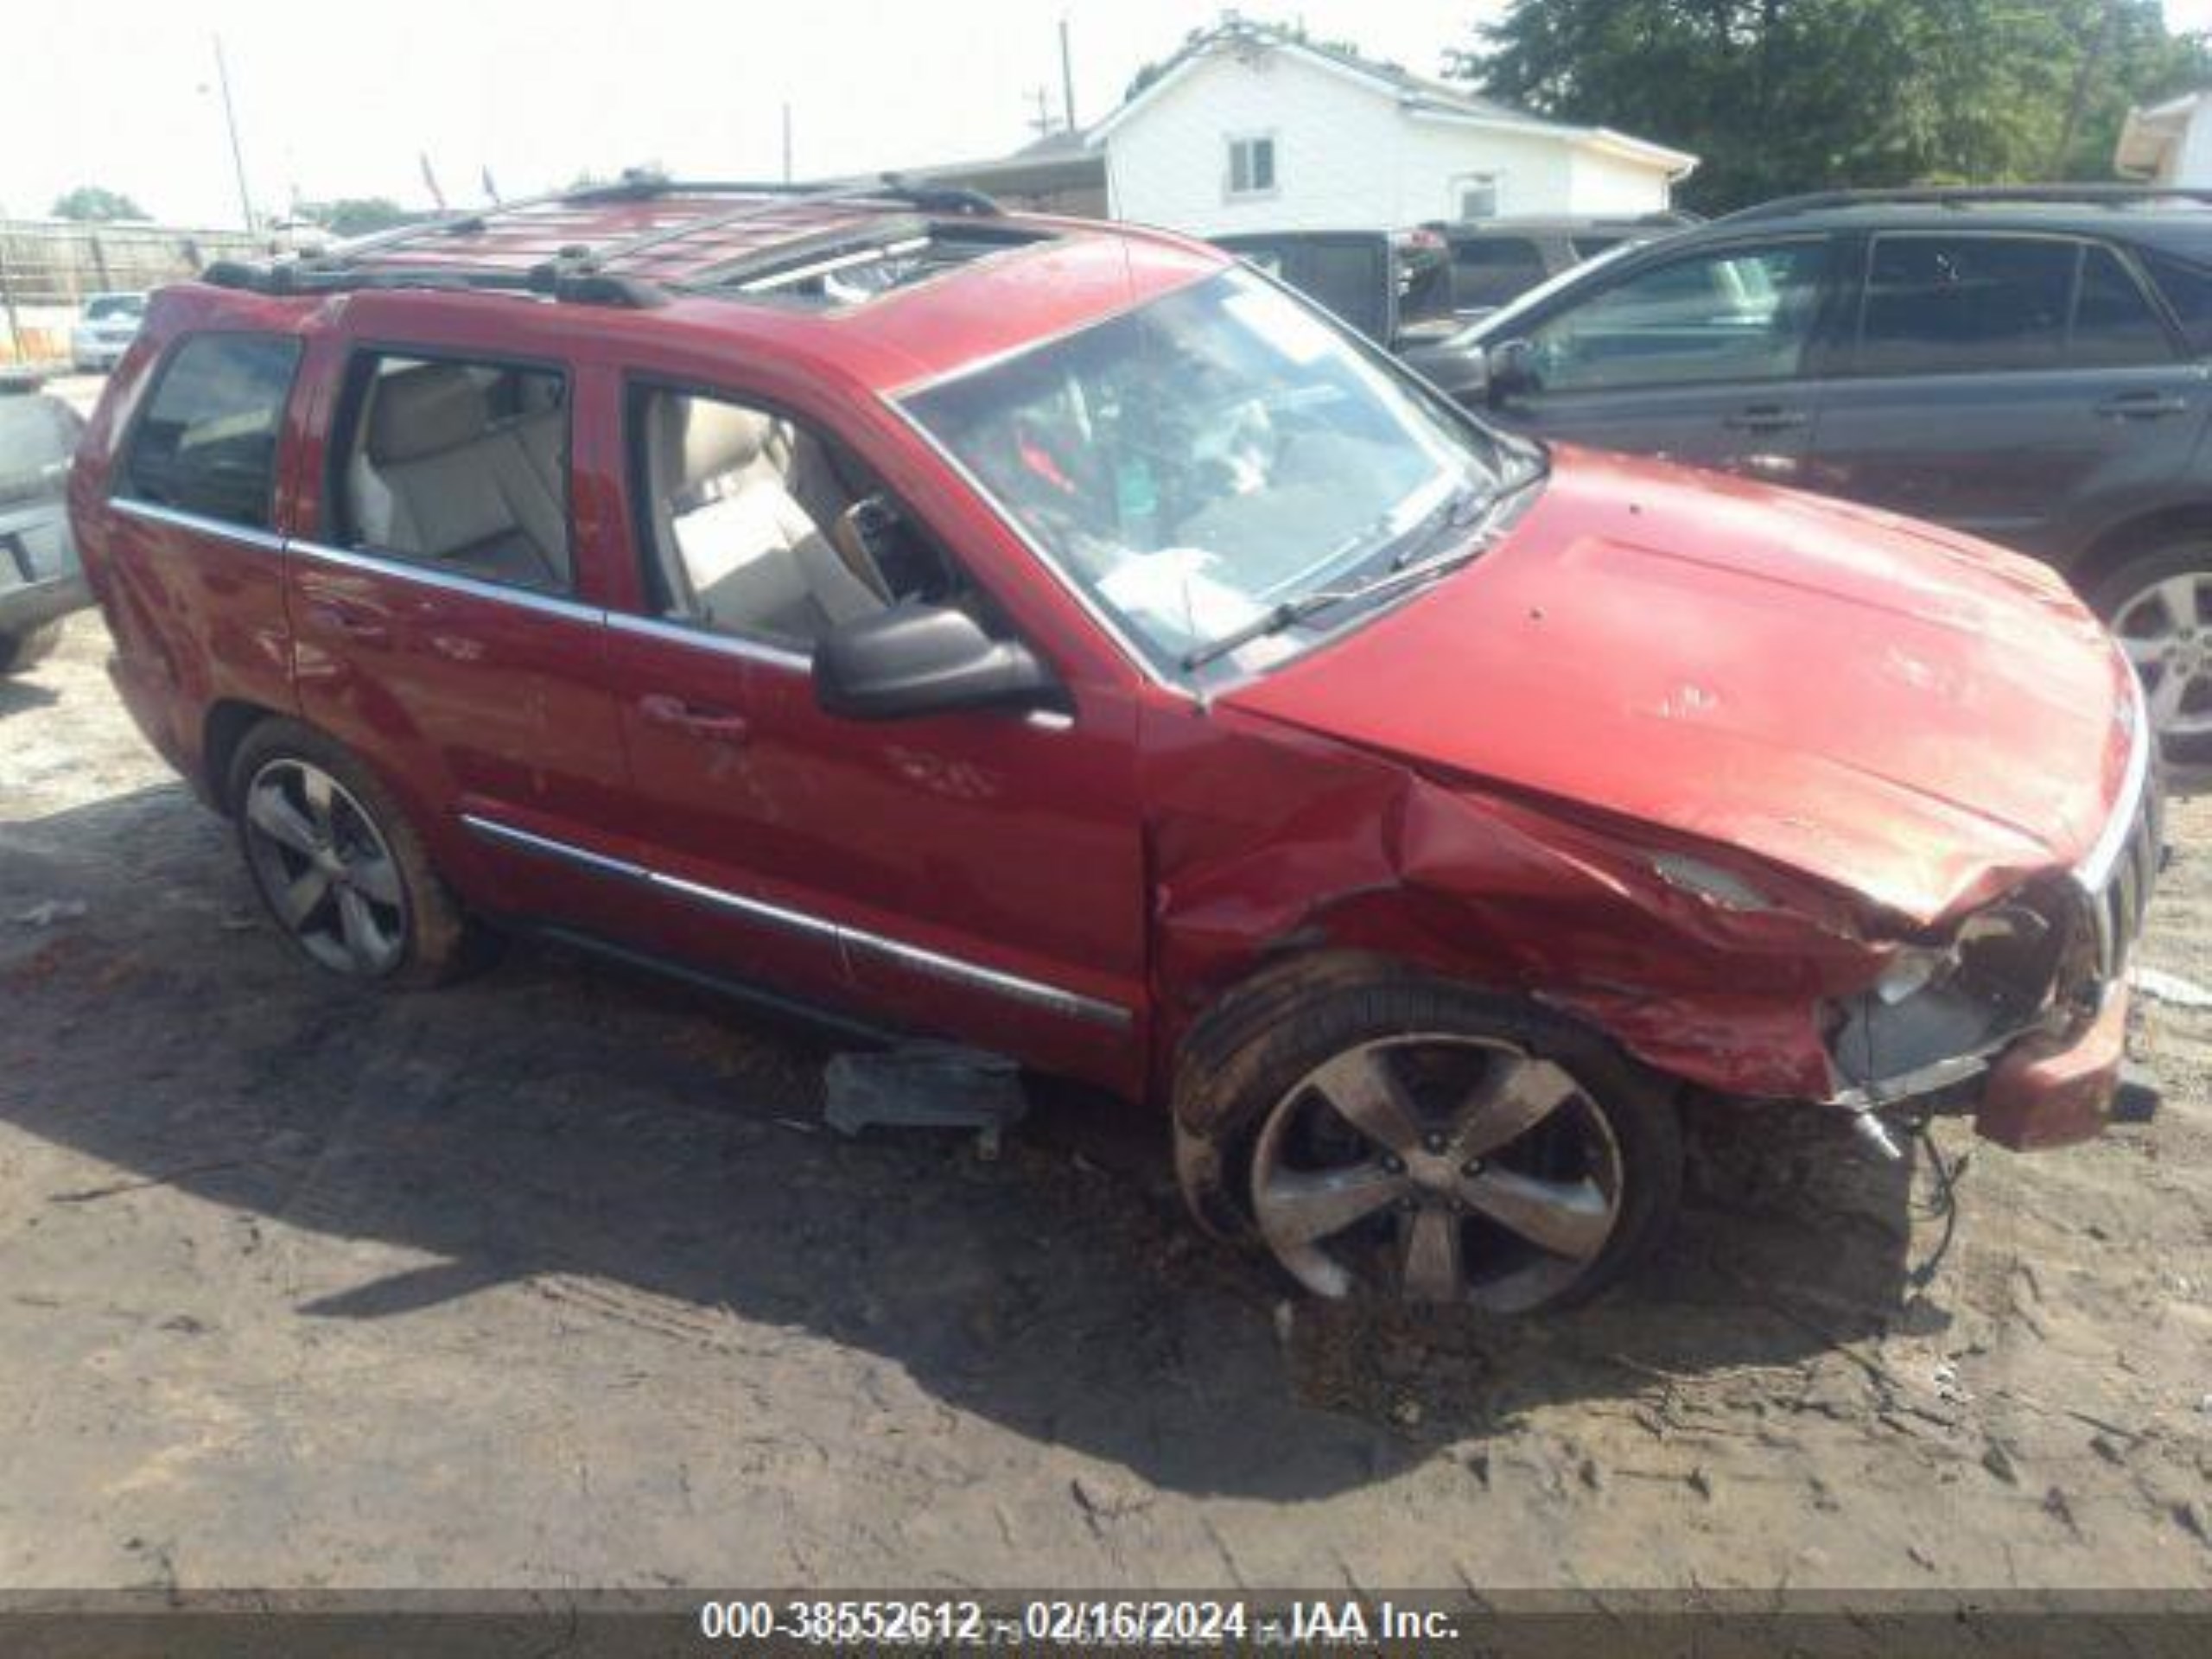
point(2118, 907)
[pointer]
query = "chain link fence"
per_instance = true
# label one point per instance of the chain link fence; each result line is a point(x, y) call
point(49, 266)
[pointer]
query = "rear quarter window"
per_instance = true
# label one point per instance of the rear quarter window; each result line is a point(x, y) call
point(207, 440)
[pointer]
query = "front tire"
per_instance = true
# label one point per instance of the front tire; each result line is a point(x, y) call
point(2159, 605)
point(1382, 1134)
point(338, 865)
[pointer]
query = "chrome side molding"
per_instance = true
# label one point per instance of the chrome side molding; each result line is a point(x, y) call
point(913, 958)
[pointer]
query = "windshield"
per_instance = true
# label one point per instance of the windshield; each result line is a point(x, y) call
point(115, 307)
point(1211, 455)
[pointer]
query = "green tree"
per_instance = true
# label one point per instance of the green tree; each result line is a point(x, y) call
point(95, 204)
point(1778, 96)
point(356, 215)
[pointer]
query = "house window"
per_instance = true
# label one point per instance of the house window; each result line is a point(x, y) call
point(1252, 166)
point(1475, 196)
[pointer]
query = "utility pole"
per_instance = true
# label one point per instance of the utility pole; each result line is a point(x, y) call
point(231, 121)
point(1067, 77)
point(787, 143)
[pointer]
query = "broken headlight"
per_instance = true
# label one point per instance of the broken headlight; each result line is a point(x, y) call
point(1935, 1013)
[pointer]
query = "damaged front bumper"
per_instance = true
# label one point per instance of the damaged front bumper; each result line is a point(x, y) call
point(2049, 1082)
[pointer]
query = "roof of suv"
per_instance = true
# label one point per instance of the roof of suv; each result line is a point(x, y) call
point(899, 283)
point(2179, 218)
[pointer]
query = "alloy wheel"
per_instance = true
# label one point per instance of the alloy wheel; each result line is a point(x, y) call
point(1452, 1168)
point(325, 869)
point(2166, 631)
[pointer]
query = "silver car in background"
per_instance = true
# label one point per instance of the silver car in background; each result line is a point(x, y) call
point(104, 334)
point(41, 580)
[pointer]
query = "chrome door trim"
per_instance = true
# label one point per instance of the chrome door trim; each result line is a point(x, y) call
point(374, 563)
point(725, 644)
point(914, 958)
point(492, 830)
point(153, 512)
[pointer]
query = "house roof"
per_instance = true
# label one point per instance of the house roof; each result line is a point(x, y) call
point(1417, 95)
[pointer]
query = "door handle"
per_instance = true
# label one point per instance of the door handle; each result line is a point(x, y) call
point(354, 625)
point(2142, 406)
point(1763, 417)
point(717, 725)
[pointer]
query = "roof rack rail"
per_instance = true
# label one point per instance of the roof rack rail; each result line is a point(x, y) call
point(2102, 195)
point(550, 278)
point(576, 272)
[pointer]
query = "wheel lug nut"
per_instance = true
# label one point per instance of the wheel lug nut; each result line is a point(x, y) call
point(1434, 1142)
point(1407, 1206)
point(1395, 1165)
point(1473, 1167)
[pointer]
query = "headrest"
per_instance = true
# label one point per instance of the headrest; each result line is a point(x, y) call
point(714, 438)
point(426, 411)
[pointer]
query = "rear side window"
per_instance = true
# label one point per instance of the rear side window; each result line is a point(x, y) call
point(2113, 322)
point(38, 433)
point(207, 441)
point(2187, 291)
point(459, 466)
point(1955, 305)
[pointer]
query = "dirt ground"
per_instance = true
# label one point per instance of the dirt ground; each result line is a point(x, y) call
point(554, 1280)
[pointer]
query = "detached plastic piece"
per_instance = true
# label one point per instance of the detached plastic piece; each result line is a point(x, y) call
point(925, 1086)
point(2043, 1093)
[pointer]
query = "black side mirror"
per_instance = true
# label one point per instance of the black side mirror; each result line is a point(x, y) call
point(923, 659)
point(1512, 369)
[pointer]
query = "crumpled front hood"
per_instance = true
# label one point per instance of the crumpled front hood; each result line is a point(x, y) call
point(1909, 714)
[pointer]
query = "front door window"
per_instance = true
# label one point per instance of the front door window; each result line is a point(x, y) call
point(1732, 315)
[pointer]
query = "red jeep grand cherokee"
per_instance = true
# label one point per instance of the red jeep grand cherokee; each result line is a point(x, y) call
point(1055, 635)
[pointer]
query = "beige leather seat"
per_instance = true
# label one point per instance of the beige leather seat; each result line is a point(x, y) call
point(748, 558)
point(438, 480)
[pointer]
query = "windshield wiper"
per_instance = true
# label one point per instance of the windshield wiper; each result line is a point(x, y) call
point(1460, 510)
point(1292, 612)
point(1466, 506)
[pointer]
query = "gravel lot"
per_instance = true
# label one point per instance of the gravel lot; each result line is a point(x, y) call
point(554, 1280)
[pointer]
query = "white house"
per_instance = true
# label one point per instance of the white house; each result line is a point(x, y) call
point(2169, 143)
point(1249, 127)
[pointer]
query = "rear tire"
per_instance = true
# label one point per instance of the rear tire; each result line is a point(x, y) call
point(19, 652)
point(2159, 604)
point(338, 866)
point(1381, 1133)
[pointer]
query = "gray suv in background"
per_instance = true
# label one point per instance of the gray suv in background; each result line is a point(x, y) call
point(41, 580)
point(2032, 365)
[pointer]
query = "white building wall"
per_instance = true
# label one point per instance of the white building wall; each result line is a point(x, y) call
point(1347, 156)
point(2188, 163)
point(1435, 156)
point(1605, 183)
point(1335, 150)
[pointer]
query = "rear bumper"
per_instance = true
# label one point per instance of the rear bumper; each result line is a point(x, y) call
point(2050, 1091)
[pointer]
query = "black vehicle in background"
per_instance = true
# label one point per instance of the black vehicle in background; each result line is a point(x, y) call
point(1496, 260)
point(2030, 365)
point(1391, 285)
